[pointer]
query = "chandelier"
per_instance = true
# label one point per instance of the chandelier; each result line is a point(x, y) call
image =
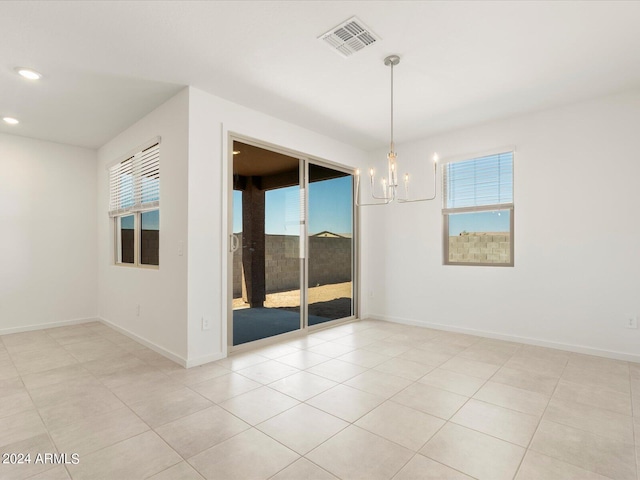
point(389, 184)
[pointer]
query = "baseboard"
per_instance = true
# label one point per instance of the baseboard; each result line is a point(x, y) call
point(156, 348)
point(43, 326)
point(196, 362)
point(628, 357)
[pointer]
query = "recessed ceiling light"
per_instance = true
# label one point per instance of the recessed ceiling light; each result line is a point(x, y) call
point(11, 120)
point(28, 73)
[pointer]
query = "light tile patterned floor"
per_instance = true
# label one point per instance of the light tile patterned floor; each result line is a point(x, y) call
point(366, 400)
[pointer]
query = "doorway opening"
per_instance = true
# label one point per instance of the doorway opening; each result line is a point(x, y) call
point(292, 244)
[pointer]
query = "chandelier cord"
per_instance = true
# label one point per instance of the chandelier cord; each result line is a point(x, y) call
point(391, 146)
point(390, 190)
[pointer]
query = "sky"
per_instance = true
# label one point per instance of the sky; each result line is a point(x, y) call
point(150, 221)
point(477, 182)
point(479, 222)
point(330, 208)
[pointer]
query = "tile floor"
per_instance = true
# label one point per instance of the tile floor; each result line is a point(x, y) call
point(367, 400)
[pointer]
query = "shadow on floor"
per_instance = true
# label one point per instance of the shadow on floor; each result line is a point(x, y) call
point(251, 324)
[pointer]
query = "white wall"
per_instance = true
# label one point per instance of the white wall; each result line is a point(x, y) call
point(194, 127)
point(48, 268)
point(210, 121)
point(577, 259)
point(576, 227)
point(161, 293)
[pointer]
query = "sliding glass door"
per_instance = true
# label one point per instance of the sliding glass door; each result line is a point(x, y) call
point(330, 237)
point(292, 244)
point(267, 265)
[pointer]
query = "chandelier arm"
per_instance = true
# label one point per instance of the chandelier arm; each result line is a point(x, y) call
point(400, 200)
point(390, 191)
point(372, 204)
point(358, 204)
point(390, 198)
point(387, 201)
point(380, 198)
point(435, 190)
point(373, 191)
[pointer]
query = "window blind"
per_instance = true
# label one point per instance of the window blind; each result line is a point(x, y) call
point(134, 183)
point(479, 182)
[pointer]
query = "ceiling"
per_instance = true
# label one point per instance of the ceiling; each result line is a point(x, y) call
point(275, 170)
point(106, 64)
point(255, 161)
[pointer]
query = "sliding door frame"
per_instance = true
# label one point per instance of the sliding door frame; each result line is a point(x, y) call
point(354, 249)
point(304, 161)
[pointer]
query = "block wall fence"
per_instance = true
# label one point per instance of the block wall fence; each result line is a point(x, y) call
point(329, 262)
point(480, 248)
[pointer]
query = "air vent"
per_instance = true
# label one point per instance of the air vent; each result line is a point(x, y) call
point(349, 37)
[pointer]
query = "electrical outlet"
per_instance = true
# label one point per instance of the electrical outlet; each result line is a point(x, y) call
point(138, 310)
point(632, 322)
point(205, 323)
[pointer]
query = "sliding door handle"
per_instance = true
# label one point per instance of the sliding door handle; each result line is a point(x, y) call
point(234, 243)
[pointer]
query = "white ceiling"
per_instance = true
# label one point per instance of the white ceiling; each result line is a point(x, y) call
point(106, 64)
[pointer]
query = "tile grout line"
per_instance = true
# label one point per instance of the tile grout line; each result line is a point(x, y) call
point(527, 448)
point(46, 428)
point(367, 369)
point(633, 422)
point(150, 428)
point(590, 432)
point(188, 387)
point(125, 404)
point(467, 401)
point(447, 421)
point(390, 399)
point(288, 409)
point(349, 423)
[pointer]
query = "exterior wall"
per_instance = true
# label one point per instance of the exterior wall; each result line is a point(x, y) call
point(329, 262)
point(480, 247)
point(282, 263)
point(149, 246)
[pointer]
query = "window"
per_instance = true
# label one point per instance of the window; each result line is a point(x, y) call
point(478, 211)
point(134, 205)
